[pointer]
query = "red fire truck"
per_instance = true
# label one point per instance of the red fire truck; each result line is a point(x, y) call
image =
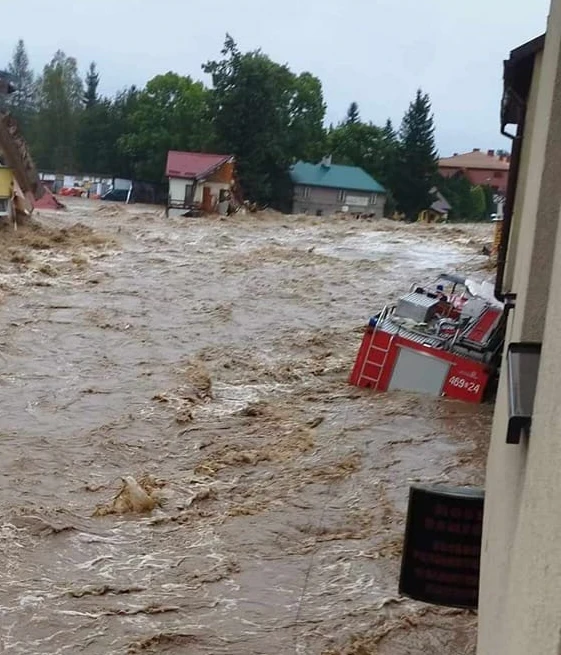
point(445, 340)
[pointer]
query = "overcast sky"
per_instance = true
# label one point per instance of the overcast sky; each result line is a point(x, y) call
point(377, 52)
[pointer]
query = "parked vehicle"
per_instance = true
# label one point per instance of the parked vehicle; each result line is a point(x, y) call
point(116, 195)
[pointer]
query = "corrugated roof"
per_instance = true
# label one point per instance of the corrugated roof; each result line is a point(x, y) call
point(475, 159)
point(349, 178)
point(193, 165)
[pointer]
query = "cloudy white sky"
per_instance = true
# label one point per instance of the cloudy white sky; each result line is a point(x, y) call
point(377, 52)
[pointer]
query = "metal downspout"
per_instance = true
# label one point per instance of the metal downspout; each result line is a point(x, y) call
point(500, 294)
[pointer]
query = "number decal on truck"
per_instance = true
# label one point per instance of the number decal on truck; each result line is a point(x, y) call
point(466, 385)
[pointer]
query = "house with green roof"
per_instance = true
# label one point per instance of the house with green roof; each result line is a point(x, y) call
point(326, 188)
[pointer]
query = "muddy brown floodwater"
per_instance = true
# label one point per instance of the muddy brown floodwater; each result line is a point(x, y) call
point(198, 368)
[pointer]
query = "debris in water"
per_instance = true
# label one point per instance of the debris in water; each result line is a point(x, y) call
point(316, 421)
point(104, 590)
point(163, 640)
point(134, 497)
point(337, 471)
point(371, 643)
point(197, 390)
point(197, 374)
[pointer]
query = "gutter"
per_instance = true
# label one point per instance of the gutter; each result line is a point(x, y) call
point(501, 295)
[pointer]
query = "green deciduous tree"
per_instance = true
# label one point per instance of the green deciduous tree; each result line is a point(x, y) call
point(368, 146)
point(469, 203)
point(100, 128)
point(358, 144)
point(479, 202)
point(457, 190)
point(307, 112)
point(417, 158)
point(171, 113)
point(266, 116)
point(60, 100)
point(122, 109)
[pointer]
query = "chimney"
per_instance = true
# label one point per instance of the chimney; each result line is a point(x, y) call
point(490, 153)
point(477, 150)
point(326, 161)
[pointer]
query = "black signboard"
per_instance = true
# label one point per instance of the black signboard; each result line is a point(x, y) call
point(442, 547)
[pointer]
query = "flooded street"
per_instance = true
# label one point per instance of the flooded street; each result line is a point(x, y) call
point(208, 359)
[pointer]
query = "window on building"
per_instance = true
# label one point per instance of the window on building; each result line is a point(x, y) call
point(497, 174)
point(306, 192)
point(373, 199)
point(342, 195)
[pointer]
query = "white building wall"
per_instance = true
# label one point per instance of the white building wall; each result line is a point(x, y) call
point(520, 599)
point(177, 188)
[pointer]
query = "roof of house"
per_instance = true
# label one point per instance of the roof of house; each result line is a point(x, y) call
point(193, 165)
point(334, 176)
point(476, 159)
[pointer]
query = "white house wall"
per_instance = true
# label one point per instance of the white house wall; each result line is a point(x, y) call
point(177, 189)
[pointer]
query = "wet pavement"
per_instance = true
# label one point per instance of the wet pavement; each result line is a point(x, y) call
point(208, 359)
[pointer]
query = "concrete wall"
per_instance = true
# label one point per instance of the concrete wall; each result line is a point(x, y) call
point(520, 599)
point(327, 202)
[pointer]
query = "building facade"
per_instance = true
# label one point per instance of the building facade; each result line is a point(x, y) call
point(199, 180)
point(326, 188)
point(481, 168)
point(520, 583)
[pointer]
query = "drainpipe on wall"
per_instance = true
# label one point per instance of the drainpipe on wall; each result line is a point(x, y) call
point(500, 294)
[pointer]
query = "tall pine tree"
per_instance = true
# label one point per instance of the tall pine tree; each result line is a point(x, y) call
point(353, 115)
point(21, 103)
point(417, 160)
point(92, 82)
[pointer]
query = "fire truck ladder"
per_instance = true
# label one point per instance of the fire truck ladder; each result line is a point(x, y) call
point(367, 361)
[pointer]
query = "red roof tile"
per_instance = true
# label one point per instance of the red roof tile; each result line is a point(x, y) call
point(475, 159)
point(190, 165)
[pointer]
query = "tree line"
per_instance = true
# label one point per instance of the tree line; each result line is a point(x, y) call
point(255, 108)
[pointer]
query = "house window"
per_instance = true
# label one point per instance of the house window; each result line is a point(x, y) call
point(373, 199)
point(305, 192)
point(497, 174)
point(342, 195)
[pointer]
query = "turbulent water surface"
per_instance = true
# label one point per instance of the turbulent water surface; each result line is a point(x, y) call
point(207, 360)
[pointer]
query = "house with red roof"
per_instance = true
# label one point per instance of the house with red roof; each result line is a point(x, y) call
point(199, 180)
point(482, 168)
